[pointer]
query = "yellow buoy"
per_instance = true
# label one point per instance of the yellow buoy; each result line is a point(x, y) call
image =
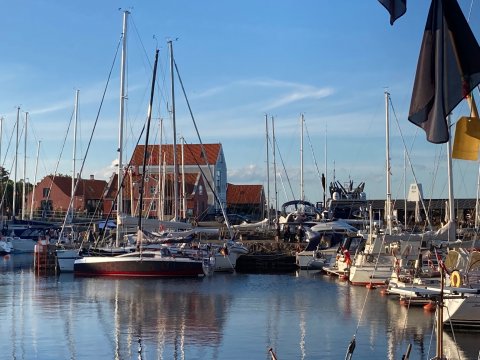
point(455, 278)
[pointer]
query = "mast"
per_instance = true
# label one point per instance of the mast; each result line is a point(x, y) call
point(14, 201)
point(184, 197)
point(159, 183)
point(145, 152)
point(451, 210)
point(275, 177)
point(326, 172)
point(74, 174)
point(120, 128)
point(34, 181)
point(1, 162)
point(175, 165)
point(388, 204)
point(24, 190)
point(405, 185)
point(302, 194)
point(267, 168)
point(1, 138)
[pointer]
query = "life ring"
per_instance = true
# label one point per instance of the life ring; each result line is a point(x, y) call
point(455, 278)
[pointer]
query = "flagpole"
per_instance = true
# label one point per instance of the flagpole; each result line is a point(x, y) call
point(452, 227)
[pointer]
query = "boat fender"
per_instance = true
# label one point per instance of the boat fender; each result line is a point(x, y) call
point(455, 278)
point(430, 264)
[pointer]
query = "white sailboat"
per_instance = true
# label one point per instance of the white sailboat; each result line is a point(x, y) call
point(141, 263)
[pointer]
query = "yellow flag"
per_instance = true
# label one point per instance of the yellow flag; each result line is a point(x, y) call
point(467, 138)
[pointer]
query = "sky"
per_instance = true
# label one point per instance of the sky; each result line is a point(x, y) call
point(240, 62)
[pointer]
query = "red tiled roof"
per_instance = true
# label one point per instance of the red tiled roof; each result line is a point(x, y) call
point(90, 189)
point(192, 154)
point(244, 194)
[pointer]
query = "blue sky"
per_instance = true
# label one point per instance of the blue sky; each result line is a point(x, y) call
point(239, 60)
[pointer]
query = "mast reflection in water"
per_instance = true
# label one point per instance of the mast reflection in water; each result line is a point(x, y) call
point(225, 316)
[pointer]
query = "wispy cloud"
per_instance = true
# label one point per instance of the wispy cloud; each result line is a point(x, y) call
point(298, 95)
point(280, 93)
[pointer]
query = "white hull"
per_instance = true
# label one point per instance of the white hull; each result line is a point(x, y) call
point(228, 261)
point(310, 260)
point(20, 245)
point(364, 275)
point(66, 259)
point(5, 247)
point(462, 312)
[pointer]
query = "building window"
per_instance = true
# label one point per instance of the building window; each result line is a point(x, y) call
point(200, 190)
point(153, 189)
point(219, 177)
point(46, 192)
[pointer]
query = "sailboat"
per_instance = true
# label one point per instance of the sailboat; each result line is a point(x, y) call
point(141, 263)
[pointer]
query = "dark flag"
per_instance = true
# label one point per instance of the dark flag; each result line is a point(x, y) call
point(448, 69)
point(396, 8)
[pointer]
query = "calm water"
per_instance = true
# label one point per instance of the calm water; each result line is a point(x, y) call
point(226, 316)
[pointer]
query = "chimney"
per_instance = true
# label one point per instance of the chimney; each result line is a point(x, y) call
point(92, 177)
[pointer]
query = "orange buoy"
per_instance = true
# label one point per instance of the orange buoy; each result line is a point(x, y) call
point(370, 286)
point(430, 306)
point(384, 291)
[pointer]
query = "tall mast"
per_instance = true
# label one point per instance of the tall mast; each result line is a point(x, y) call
point(326, 172)
point(451, 210)
point(184, 197)
point(159, 183)
point(120, 128)
point(34, 181)
point(275, 175)
point(24, 190)
point(1, 138)
point(388, 208)
point(268, 170)
point(14, 201)
point(145, 152)
point(1, 162)
point(74, 173)
point(175, 165)
point(302, 194)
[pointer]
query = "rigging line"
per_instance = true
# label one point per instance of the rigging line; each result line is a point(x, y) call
point(145, 151)
point(408, 158)
point(286, 174)
point(11, 168)
point(162, 68)
point(203, 149)
point(457, 348)
point(91, 137)
point(209, 185)
point(55, 173)
point(313, 153)
point(115, 198)
point(8, 146)
point(470, 11)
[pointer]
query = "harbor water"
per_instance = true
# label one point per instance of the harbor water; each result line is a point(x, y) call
point(302, 315)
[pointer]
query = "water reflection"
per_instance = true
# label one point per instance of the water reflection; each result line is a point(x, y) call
point(234, 316)
point(108, 317)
